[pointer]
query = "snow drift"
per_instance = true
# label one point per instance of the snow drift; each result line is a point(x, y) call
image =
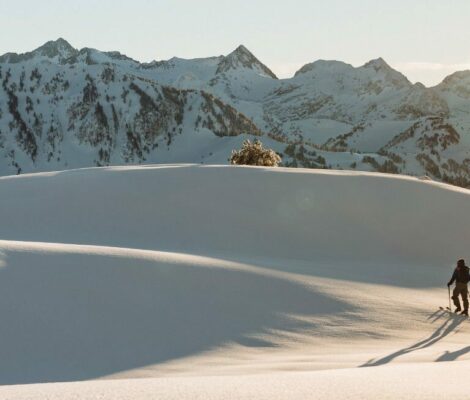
point(207, 270)
point(206, 210)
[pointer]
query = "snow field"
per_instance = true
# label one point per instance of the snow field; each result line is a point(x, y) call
point(229, 282)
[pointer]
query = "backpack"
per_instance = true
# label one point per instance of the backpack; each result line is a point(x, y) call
point(464, 275)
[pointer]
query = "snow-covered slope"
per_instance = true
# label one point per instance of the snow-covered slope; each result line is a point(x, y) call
point(405, 382)
point(207, 278)
point(62, 107)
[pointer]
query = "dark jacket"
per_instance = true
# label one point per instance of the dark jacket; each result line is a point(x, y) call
point(460, 275)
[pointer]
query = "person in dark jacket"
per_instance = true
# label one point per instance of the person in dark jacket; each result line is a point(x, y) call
point(461, 277)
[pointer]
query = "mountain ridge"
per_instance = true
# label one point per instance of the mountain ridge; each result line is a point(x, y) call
point(240, 52)
point(62, 108)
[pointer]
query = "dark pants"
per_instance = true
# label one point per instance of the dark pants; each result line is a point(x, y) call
point(460, 290)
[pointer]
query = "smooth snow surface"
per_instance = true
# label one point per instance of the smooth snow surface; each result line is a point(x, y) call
point(220, 282)
point(411, 381)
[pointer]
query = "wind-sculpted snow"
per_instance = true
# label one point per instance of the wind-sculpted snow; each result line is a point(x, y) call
point(187, 274)
point(254, 211)
point(86, 312)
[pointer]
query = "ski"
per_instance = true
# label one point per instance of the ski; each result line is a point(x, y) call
point(445, 309)
point(448, 310)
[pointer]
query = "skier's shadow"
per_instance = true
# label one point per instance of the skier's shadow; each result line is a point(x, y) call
point(453, 355)
point(445, 329)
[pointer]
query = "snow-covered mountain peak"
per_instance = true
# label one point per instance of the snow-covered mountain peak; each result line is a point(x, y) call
point(455, 88)
point(58, 50)
point(54, 50)
point(56, 47)
point(241, 52)
point(377, 64)
point(62, 107)
point(322, 65)
point(116, 55)
point(381, 67)
point(241, 57)
point(92, 56)
point(457, 78)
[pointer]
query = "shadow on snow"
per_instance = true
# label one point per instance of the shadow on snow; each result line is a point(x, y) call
point(448, 326)
point(67, 317)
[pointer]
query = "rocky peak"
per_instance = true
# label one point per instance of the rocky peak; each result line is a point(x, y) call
point(241, 57)
point(378, 64)
point(55, 47)
point(391, 75)
point(58, 49)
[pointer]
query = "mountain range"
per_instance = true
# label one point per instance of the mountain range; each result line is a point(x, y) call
point(63, 108)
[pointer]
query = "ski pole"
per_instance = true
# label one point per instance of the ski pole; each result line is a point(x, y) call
point(448, 289)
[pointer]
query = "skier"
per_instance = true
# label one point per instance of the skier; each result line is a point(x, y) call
point(461, 277)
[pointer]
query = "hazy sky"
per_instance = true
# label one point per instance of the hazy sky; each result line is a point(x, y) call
point(424, 39)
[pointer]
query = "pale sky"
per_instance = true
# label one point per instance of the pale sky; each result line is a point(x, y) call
point(424, 39)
